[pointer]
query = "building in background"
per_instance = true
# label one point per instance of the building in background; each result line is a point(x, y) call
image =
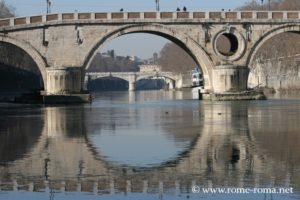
point(150, 68)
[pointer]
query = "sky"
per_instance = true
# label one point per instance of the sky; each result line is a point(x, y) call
point(133, 44)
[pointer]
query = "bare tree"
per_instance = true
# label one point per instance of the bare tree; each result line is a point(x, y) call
point(157, 5)
point(174, 58)
point(6, 10)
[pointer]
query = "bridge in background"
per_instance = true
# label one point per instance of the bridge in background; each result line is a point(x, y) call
point(172, 80)
point(63, 45)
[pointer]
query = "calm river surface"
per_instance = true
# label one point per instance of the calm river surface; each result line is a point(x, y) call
point(150, 145)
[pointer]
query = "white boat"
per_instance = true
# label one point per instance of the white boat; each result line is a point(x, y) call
point(197, 83)
point(197, 78)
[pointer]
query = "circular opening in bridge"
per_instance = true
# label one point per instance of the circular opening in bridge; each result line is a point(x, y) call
point(227, 44)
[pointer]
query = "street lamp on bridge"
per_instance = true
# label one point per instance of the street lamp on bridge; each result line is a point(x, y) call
point(262, 4)
point(157, 5)
point(48, 6)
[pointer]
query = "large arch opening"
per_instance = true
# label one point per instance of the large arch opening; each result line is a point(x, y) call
point(274, 62)
point(179, 40)
point(19, 72)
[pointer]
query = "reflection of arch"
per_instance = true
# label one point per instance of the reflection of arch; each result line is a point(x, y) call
point(266, 37)
point(182, 40)
point(33, 53)
point(169, 163)
point(19, 135)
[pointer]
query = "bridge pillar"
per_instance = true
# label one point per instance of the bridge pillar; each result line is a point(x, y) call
point(86, 82)
point(131, 86)
point(131, 82)
point(64, 85)
point(230, 83)
point(228, 78)
point(170, 83)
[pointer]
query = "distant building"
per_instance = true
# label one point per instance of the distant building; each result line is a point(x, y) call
point(132, 58)
point(150, 68)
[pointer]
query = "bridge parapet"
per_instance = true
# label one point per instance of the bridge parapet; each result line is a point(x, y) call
point(200, 16)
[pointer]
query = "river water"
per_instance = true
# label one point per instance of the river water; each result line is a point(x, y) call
point(150, 145)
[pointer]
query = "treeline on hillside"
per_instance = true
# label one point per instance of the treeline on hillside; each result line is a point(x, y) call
point(171, 58)
point(174, 58)
point(6, 10)
point(279, 5)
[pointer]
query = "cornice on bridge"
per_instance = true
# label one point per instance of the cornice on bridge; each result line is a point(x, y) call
point(201, 16)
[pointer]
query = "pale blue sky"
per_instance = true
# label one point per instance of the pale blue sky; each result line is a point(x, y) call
point(142, 45)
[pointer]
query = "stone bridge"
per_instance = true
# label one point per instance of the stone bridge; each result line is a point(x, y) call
point(173, 80)
point(63, 45)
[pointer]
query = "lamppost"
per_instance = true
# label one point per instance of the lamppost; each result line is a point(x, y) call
point(262, 4)
point(269, 2)
point(48, 6)
point(157, 5)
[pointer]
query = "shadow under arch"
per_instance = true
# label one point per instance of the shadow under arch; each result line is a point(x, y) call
point(31, 51)
point(111, 80)
point(182, 40)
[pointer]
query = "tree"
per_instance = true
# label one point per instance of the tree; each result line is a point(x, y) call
point(279, 5)
point(174, 58)
point(6, 10)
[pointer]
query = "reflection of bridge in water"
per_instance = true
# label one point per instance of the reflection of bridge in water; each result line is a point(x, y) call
point(172, 79)
point(64, 159)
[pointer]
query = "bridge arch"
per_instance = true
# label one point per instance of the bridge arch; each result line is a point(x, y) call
point(154, 76)
point(270, 34)
point(31, 51)
point(184, 41)
point(112, 76)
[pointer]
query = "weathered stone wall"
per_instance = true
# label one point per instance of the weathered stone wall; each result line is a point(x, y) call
point(279, 73)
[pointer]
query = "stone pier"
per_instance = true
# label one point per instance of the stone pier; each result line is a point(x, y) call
point(132, 82)
point(229, 78)
point(64, 85)
point(230, 83)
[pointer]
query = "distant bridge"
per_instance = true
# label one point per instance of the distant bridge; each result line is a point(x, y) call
point(172, 79)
